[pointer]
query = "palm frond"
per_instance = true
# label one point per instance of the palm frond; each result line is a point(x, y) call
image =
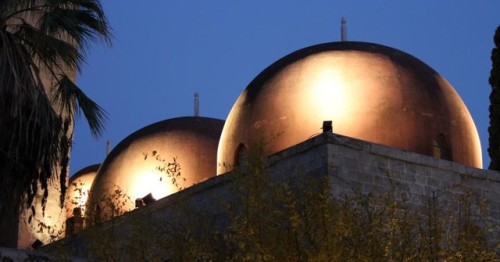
point(53, 52)
point(82, 20)
point(70, 97)
point(41, 43)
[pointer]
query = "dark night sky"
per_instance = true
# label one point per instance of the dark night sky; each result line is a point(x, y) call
point(164, 51)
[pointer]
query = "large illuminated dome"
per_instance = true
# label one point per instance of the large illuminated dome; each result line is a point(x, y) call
point(131, 170)
point(369, 91)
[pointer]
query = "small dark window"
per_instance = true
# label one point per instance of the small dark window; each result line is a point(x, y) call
point(441, 148)
point(241, 155)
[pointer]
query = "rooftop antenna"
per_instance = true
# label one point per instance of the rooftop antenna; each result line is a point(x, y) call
point(343, 29)
point(196, 104)
point(108, 145)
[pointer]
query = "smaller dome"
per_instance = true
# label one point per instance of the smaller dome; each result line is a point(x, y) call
point(139, 164)
point(79, 187)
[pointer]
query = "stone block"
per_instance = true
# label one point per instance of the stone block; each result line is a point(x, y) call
point(381, 180)
point(420, 180)
point(416, 189)
point(397, 166)
point(434, 182)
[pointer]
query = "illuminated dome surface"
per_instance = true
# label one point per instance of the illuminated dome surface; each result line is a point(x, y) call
point(191, 140)
point(79, 187)
point(370, 92)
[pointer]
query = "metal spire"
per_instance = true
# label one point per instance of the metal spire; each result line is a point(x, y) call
point(343, 29)
point(108, 145)
point(196, 104)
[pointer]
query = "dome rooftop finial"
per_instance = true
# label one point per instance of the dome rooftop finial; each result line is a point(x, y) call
point(196, 104)
point(343, 29)
point(108, 146)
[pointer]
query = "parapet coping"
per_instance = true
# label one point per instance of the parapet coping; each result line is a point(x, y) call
point(326, 139)
point(385, 151)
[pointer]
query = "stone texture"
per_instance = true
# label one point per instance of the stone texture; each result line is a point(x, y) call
point(352, 165)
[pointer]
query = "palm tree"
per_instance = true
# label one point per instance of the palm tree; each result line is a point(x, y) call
point(42, 44)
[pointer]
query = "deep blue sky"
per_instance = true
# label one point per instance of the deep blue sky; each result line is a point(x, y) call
point(164, 51)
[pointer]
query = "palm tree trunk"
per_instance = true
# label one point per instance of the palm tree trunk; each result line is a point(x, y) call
point(9, 232)
point(9, 219)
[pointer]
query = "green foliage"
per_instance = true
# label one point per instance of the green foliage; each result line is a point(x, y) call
point(297, 216)
point(299, 219)
point(494, 128)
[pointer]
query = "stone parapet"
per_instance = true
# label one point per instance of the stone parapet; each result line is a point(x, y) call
point(350, 164)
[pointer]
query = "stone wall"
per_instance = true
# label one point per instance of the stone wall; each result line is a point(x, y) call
point(351, 166)
point(416, 179)
point(359, 166)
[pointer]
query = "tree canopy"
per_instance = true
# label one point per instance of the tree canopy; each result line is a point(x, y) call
point(494, 128)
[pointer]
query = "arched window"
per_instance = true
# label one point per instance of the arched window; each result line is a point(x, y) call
point(241, 155)
point(441, 148)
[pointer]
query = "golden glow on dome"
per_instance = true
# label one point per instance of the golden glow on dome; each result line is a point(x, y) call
point(132, 167)
point(326, 96)
point(149, 180)
point(370, 92)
